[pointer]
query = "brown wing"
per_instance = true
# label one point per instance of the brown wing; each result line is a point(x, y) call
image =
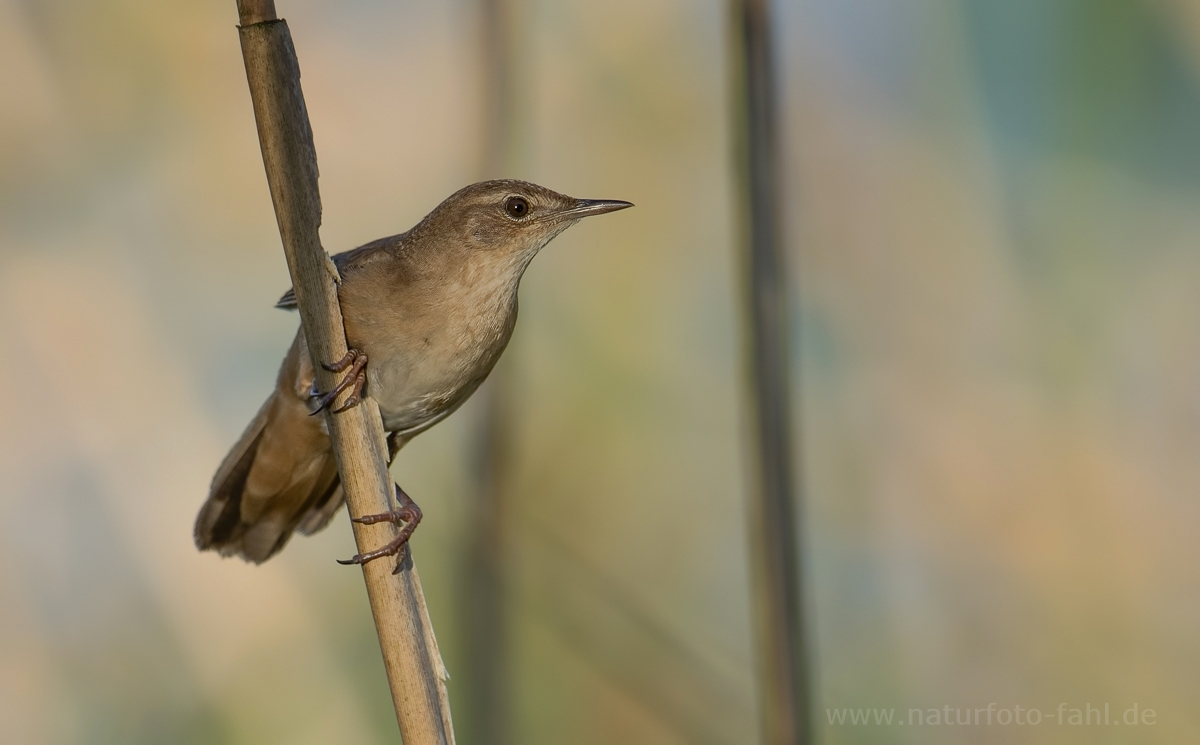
point(348, 262)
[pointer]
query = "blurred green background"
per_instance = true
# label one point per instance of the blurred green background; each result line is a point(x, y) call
point(994, 209)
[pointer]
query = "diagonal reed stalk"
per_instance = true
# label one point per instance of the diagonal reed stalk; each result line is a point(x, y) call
point(410, 653)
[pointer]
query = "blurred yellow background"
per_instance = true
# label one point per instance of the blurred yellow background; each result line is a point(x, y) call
point(994, 210)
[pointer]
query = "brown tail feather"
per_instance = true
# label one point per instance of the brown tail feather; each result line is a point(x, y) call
point(326, 507)
point(218, 525)
point(280, 475)
point(323, 510)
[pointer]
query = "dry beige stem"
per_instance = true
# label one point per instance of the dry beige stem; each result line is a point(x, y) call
point(410, 654)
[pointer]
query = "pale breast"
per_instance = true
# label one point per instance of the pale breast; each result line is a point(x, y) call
point(431, 340)
point(424, 376)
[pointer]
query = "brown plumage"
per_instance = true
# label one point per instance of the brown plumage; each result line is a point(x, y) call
point(432, 309)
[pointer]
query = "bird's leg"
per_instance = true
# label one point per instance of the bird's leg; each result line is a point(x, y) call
point(407, 515)
point(356, 377)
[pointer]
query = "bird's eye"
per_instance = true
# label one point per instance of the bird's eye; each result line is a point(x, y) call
point(517, 207)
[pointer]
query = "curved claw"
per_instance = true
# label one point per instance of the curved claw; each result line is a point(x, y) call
point(360, 382)
point(355, 379)
point(407, 515)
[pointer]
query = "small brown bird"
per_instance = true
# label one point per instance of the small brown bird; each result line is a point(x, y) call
point(427, 314)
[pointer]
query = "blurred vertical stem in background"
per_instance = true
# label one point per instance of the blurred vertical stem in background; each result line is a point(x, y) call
point(778, 621)
point(410, 654)
point(483, 608)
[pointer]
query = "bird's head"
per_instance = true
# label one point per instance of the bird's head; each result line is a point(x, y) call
point(512, 220)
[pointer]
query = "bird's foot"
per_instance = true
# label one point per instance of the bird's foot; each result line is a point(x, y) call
point(407, 516)
point(355, 380)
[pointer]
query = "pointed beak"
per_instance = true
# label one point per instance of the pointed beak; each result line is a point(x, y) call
point(588, 207)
